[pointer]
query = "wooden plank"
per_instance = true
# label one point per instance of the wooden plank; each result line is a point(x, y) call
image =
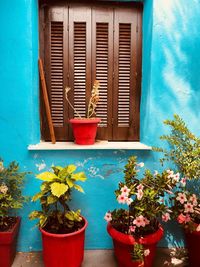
point(46, 102)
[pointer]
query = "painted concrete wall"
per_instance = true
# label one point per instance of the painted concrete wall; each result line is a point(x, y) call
point(170, 85)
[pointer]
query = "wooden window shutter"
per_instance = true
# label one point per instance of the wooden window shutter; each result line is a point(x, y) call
point(125, 91)
point(102, 66)
point(55, 40)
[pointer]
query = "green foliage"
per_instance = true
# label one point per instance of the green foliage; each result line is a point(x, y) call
point(11, 184)
point(184, 148)
point(54, 195)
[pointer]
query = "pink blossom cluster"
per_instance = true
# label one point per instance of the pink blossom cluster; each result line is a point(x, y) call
point(108, 217)
point(124, 198)
point(139, 221)
point(174, 176)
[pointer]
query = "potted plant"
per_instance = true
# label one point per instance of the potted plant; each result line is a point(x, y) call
point(85, 129)
point(11, 199)
point(184, 152)
point(62, 229)
point(136, 230)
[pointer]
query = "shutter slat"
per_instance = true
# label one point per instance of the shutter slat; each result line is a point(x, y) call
point(57, 73)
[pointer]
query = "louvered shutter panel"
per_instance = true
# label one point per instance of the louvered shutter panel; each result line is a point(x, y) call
point(102, 66)
point(125, 111)
point(79, 58)
point(55, 69)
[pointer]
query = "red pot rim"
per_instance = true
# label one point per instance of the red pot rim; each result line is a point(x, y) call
point(85, 120)
point(65, 235)
point(130, 240)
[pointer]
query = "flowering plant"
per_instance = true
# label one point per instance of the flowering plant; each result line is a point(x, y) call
point(145, 200)
point(185, 207)
point(11, 198)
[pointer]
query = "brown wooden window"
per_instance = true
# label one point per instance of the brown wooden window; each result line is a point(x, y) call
point(81, 42)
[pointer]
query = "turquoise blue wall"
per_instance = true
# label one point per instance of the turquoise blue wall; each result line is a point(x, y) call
point(170, 84)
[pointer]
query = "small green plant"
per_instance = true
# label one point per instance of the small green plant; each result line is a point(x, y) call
point(11, 198)
point(146, 203)
point(93, 101)
point(55, 215)
point(184, 148)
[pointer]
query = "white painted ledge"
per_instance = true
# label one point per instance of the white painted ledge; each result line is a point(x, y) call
point(98, 145)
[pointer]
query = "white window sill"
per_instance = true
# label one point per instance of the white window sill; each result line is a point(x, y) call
point(98, 145)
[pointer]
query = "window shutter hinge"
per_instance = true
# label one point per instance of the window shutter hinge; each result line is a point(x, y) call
point(67, 27)
point(67, 75)
point(136, 74)
point(137, 28)
point(112, 121)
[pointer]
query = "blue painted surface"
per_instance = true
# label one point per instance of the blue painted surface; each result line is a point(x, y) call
point(170, 84)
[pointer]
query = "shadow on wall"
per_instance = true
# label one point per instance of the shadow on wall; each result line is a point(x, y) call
point(175, 79)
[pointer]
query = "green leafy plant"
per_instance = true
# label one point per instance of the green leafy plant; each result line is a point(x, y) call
point(11, 198)
point(184, 148)
point(55, 215)
point(145, 201)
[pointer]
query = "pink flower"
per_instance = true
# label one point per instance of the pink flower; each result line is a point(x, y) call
point(125, 190)
point(122, 199)
point(146, 252)
point(141, 221)
point(193, 199)
point(188, 207)
point(129, 201)
point(108, 217)
point(132, 228)
point(166, 217)
point(183, 218)
point(183, 181)
point(181, 197)
point(198, 228)
point(139, 194)
point(140, 187)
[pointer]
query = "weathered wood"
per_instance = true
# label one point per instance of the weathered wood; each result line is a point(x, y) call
point(46, 101)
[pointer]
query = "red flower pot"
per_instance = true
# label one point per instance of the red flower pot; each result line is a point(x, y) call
point(123, 245)
point(192, 244)
point(61, 250)
point(8, 243)
point(85, 130)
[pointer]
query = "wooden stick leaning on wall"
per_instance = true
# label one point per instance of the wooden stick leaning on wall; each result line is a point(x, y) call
point(46, 101)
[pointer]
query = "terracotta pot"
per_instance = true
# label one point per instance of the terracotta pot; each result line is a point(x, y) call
point(123, 245)
point(85, 130)
point(61, 250)
point(8, 243)
point(192, 244)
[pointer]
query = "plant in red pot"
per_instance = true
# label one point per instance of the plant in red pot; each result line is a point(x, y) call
point(136, 230)
point(62, 229)
point(11, 198)
point(184, 152)
point(85, 129)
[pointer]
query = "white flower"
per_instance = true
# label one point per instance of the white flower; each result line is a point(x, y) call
point(122, 199)
point(140, 187)
point(108, 217)
point(198, 228)
point(188, 208)
point(141, 164)
point(155, 173)
point(166, 217)
point(3, 189)
point(146, 252)
point(139, 194)
point(181, 197)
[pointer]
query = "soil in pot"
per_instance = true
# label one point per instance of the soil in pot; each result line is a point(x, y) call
point(192, 244)
point(8, 241)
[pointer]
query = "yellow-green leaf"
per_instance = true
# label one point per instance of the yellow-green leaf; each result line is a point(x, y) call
point(58, 189)
point(51, 199)
point(79, 176)
point(47, 176)
point(37, 196)
point(79, 188)
point(70, 182)
point(71, 168)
